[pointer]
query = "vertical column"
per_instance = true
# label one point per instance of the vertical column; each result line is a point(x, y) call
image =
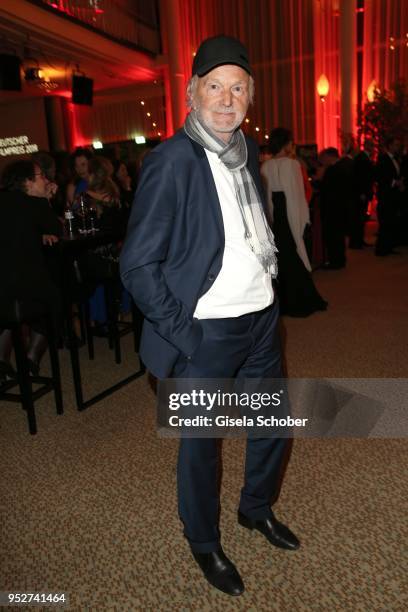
point(55, 123)
point(175, 77)
point(319, 67)
point(369, 71)
point(348, 65)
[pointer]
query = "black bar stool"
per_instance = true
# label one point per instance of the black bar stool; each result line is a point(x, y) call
point(15, 315)
point(115, 328)
point(81, 402)
point(90, 270)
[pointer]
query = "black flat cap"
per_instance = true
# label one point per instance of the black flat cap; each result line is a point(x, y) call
point(218, 51)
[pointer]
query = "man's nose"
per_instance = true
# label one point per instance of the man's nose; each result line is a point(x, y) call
point(227, 98)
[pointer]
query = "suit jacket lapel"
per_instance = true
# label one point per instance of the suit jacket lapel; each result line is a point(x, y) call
point(213, 200)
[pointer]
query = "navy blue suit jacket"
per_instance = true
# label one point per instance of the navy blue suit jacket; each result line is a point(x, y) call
point(174, 247)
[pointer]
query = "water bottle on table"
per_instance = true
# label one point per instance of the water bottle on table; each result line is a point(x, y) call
point(69, 221)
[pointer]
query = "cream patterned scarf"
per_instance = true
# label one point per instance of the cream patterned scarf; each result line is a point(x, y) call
point(234, 156)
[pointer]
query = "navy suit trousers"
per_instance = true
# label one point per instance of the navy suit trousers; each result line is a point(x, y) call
point(248, 347)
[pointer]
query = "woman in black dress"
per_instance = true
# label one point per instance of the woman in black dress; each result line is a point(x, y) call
point(288, 214)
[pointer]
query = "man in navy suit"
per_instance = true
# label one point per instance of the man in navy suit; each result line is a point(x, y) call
point(199, 260)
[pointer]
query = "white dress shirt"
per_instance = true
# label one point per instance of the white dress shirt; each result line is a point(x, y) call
point(242, 286)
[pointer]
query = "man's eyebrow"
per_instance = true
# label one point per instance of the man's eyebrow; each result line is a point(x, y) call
point(215, 80)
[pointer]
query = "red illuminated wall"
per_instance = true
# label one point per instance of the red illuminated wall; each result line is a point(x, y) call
point(120, 119)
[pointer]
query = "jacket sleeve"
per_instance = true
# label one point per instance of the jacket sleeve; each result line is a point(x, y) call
point(145, 250)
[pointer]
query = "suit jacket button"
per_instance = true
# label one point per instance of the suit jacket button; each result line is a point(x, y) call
point(211, 277)
point(188, 357)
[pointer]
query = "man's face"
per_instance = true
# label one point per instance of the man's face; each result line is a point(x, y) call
point(221, 99)
point(38, 186)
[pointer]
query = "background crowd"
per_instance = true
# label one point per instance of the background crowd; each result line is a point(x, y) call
point(317, 210)
point(320, 208)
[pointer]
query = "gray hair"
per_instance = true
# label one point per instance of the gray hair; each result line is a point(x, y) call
point(193, 84)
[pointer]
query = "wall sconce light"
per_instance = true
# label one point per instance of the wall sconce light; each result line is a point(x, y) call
point(371, 91)
point(323, 87)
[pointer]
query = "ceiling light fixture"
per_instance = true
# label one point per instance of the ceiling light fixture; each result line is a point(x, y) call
point(35, 76)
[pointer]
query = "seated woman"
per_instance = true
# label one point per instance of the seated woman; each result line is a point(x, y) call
point(26, 224)
point(102, 197)
point(288, 214)
point(79, 163)
point(124, 183)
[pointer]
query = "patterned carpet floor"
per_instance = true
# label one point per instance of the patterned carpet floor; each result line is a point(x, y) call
point(88, 505)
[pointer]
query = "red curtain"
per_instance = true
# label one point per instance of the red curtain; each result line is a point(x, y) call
point(385, 57)
point(326, 61)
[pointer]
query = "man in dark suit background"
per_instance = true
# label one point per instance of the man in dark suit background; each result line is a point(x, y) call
point(363, 186)
point(390, 185)
point(335, 199)
point(198, 260)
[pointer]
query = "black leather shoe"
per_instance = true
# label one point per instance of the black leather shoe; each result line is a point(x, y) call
point(220, 572)
point(278, 534)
